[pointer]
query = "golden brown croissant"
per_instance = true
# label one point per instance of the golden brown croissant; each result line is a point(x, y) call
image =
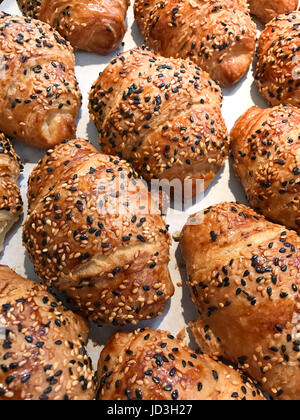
point(10, 198)
point(153, 365)
point(162, 115)
point(266, 149)
point(92, 234)
point(42, 345)
point(244, 275)
point(90, 25)
point(39, 94)
point(219, 36)
point(277, 71)
point(267, 10)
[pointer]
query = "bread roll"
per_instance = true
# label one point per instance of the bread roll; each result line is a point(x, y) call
point(90, 25)
point(42, 345)
point(94, 232)
point(266, 149)
point(278, 64)
point(162, 115)
point(244, 275)
point(153, 365)
point(39, 94)
point(267, 10)
point(219, 36)
point(10, 198)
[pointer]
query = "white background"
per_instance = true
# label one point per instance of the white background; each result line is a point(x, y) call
point(237, 100)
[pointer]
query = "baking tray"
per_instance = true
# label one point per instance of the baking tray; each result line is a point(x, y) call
point(226, 187)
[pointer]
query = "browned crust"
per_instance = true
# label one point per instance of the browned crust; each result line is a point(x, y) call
point(244, 275)
point(268, 9)
point(42, 345)
point(276, 74)
point(219, 36)
point(10, 198)
point(266, 149)
point(162, 115)
point(89, 25)
point(113, 264)
point(153, 365)
point(39, 94)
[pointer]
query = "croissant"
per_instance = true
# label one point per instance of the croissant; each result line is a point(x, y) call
point(94, 233)
point(162, 115)
point(10, 198)
point(277, 69)
point(154, 365)
point(268, 9)
point(42, 353)
point(244, 273)
point(266, 149)
point(39, 94)
point(90, 25)
point(219, 36)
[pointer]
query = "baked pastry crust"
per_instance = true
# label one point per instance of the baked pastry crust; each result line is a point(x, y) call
point(154, 365)
point(90, 25)
point(162, 115)
point(10, 198)
point(244, 274)
point(39, 94)
point(267, 10)
point(219, 36)
point(277, 69)
point(42, 345)
point(266, 150)
point(94, 233)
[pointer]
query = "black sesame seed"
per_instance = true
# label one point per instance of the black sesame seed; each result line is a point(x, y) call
point(215, 375)
point(175, 395)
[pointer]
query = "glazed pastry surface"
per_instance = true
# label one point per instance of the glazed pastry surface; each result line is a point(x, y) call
point(42, 345)
point(90, 25)
point(244, 275)
point(94, 233)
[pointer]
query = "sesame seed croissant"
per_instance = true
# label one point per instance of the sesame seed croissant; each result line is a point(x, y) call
point(278, 65)
point(266, 149)
point(42, 345)
point(94, 233)
point(154, 365)
point(89, 25)
point(244, 276)
point(39, 94)
point(162, 115)
point(10, 198)
point(267, 10)
point(219, 36)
